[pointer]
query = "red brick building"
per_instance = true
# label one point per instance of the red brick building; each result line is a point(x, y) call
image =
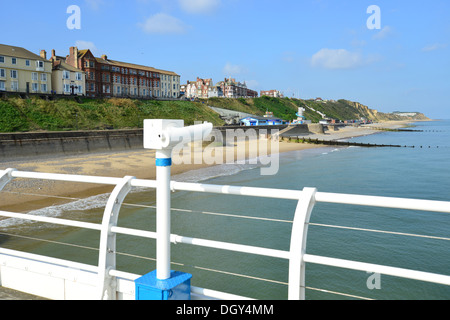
point(111, 78)
point(234, 89)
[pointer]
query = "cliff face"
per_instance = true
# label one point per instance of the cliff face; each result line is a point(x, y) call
point(372, 114)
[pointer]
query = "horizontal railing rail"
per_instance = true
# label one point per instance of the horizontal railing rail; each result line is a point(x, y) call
point(296, 255)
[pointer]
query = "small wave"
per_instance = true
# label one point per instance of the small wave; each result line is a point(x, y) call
point(216, 171)
point(71, 208)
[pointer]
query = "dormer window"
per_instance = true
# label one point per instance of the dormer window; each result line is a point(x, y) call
point(39, 65)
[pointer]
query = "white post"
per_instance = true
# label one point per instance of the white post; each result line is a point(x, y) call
point(296, 290)
point(107, 253)
point(163, 163)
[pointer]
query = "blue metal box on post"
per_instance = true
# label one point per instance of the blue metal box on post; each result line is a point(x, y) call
point(162, 136)
point(177, 287)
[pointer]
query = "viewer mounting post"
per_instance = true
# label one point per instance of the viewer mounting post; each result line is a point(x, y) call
point(163, 136)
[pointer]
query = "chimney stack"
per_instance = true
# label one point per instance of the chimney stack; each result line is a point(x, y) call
point(44, 54)
point(104, 57)
point(73, 53)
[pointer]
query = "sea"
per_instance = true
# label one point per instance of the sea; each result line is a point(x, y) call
point(419, 169)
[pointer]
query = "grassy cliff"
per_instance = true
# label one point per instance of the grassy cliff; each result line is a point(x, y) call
point(17, 114)
point(286, 108)
point(33, 114)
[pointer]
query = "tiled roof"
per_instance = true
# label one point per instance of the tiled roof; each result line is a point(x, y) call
point(64, 66)
point(133, 66)
point(18, 52)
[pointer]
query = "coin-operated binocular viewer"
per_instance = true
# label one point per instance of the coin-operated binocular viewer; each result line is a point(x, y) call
point(163, 135)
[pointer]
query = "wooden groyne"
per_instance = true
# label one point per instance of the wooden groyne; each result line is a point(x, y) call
point(340, 143)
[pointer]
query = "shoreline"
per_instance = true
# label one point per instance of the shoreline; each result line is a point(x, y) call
point(24, 195)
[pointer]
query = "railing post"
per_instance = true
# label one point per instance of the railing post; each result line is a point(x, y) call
point(6, 177)
point(299, 234)
point(107, 254)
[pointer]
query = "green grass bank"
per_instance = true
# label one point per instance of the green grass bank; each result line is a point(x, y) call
point(64, 114)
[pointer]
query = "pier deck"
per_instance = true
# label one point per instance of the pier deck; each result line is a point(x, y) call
point(9, 294)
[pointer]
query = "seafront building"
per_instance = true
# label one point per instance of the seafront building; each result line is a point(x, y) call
point(67, 80)
point(81, 73)
point(202, 88)
point(111, 78)
point(271, 93)
point(235, 89)
point(23, 71)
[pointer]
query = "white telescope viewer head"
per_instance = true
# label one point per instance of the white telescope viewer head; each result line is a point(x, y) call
point(162, 134)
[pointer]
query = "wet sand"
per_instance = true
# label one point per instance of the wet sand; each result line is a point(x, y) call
point(23, 195)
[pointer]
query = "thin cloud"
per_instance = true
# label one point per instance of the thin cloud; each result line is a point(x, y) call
point(336, 59)
point(199, 6)
point(231, 69)
point(81, 44)
point(252, 84)
point(162, 23)
point(434, 47)
point(95, 4)
point(384, 33)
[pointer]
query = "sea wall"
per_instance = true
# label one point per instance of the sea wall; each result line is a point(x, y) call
point(15, 146)
point(296, 130)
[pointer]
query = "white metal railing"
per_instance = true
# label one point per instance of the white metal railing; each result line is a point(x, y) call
point(106, 273)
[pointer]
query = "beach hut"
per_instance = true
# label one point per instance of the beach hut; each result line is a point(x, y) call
point(260, 121)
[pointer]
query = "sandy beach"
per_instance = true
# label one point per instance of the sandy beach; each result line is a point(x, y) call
point(23, 195)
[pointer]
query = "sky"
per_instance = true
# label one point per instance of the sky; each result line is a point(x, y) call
point(391, 55)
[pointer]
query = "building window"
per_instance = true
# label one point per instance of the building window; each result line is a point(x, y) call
point(2, 59)
point(105, 77)
point(43, 87)
point(14, 85)
point(14, 60)
point(2, 73)
point(2, 86)
point(78, 76)
point(43, 77)
point(80, 89)
point(67, 88)
point(34, 86)
point(39, 64)
point(27, 63)
point(66, 75)
point(14, 74)
point(34, 76)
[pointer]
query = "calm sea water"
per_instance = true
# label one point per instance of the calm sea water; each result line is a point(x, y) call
point(421, 172)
